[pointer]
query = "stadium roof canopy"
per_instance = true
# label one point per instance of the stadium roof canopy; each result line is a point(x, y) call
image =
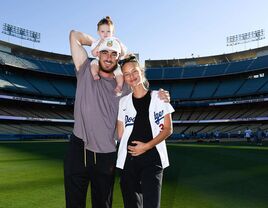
point(24, 51)
point(207, 60)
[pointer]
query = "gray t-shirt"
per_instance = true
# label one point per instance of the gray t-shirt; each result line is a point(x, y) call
point(95, 110)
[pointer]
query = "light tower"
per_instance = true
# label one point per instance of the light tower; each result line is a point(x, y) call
point(21, 33)
point(244, 38)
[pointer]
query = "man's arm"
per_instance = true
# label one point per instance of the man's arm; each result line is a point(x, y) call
point(120, 129)
point(79, 54)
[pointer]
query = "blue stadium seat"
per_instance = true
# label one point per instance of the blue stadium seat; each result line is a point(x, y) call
point(193, 71)
point(172, 72)
point(260, 62)
point(215, 70)
point(6, 85)
point(181, 91)
point(53, 67)
point(238, 66)
point(205, 89)
point(65, 87)
point(228, 87)
point(69, 68)
point(12, 60)
point(252, 86)
point(35, 63)
point(157, 86)
point(19, 83)
point(43, 86)
point(154, 73)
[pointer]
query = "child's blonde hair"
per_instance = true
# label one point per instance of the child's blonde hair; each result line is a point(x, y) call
point(105, 21)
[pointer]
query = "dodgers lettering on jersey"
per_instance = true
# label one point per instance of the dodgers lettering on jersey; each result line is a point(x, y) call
point(158, 116)
point(129, 120)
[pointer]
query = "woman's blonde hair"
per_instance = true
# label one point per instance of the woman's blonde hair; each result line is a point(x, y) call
point(133, 59)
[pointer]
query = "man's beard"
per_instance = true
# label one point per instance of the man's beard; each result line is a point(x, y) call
point(107, 71)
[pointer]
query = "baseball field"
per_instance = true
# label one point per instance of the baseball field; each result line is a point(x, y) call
point(230, 174)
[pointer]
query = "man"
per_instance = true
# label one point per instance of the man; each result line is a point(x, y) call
point(91, 154)
point(248, 134)
point(259, 136)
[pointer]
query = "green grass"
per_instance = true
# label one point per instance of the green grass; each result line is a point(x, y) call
point(200, 175)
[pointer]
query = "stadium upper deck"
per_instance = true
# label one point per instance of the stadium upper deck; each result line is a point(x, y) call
point(46, 82)
point(35, 73)
point(32, 59)
point(233, 75)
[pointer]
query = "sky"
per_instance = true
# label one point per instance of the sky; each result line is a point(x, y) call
point(155, 29)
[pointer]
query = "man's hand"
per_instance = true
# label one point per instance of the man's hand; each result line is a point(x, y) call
point(164, 95)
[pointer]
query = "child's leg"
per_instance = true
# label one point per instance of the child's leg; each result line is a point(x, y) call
point(119, 83)
point(95, 69)
point(119, 80)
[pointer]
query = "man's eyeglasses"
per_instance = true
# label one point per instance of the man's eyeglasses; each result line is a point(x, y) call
point(131, 58)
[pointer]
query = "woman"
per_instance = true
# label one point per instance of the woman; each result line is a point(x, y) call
point(144, 122)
